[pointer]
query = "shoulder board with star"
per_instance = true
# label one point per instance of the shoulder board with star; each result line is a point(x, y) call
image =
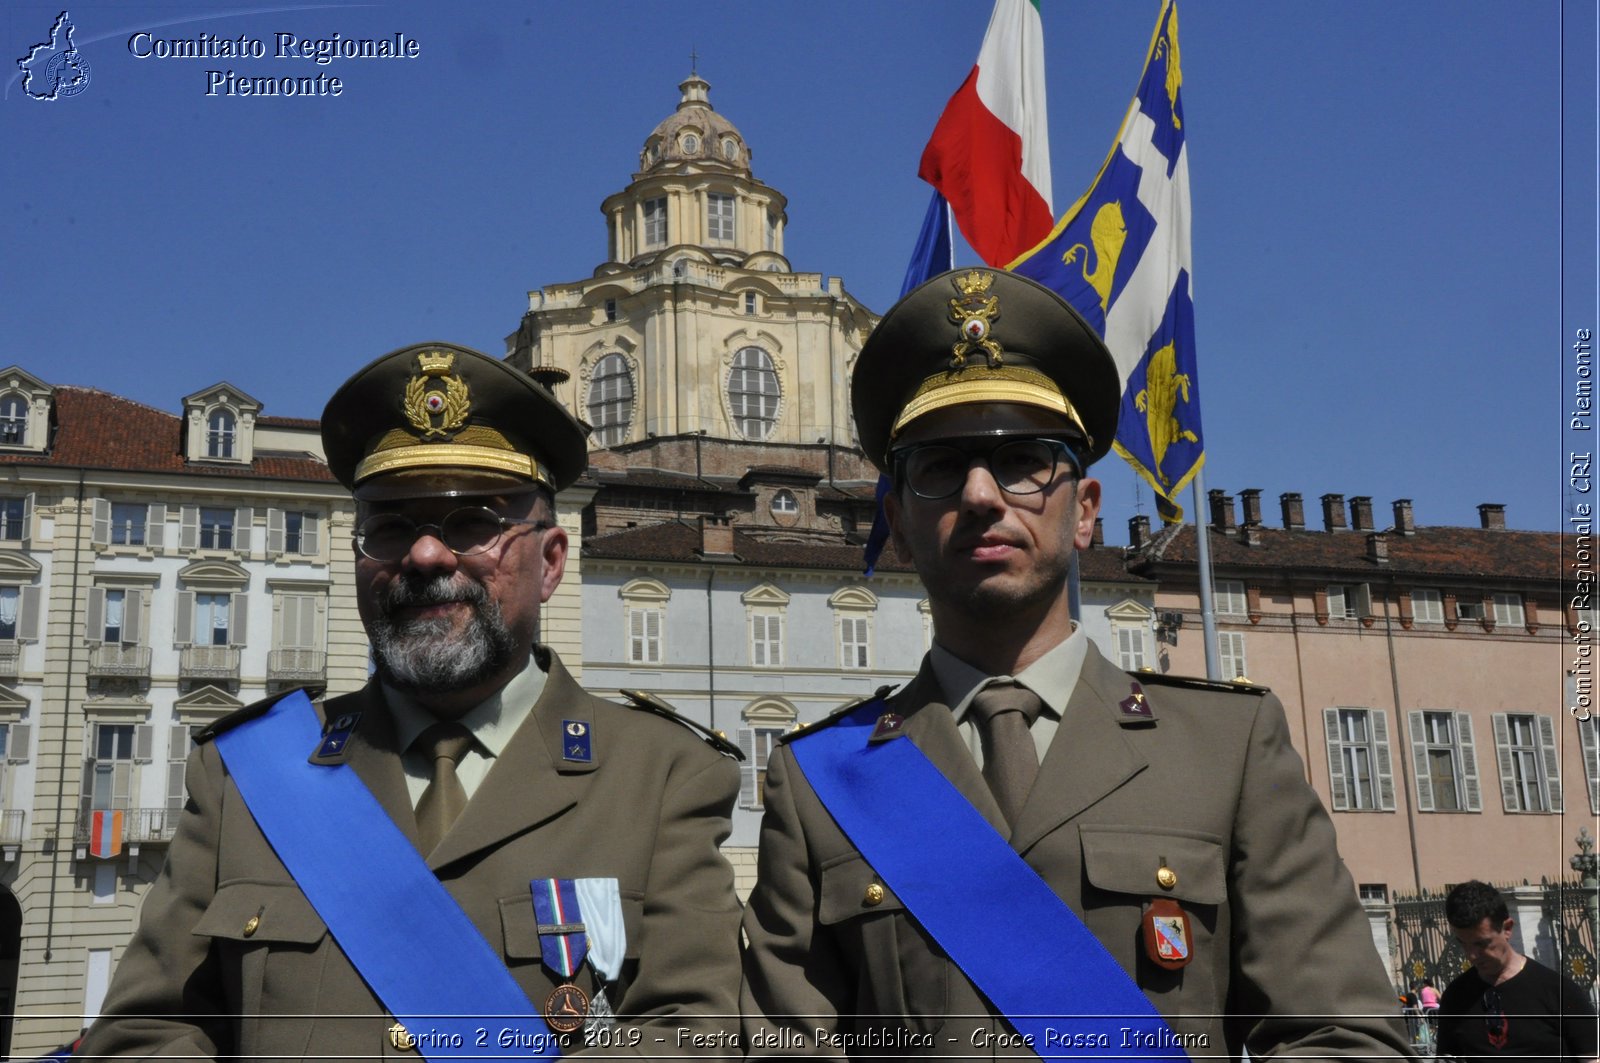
point(648, 702)
point(244, 715)
point(837, 714)
point(1194, 682)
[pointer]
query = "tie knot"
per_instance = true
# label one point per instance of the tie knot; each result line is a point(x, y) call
point(1000, 698)
point(445, 740)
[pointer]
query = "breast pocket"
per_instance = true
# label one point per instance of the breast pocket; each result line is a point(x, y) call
point(904, 975)
point(519, 926)
point(1122, 866)
point(268, 938)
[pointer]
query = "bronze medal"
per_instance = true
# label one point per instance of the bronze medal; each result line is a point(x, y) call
point(566, 1008)
point(1168, 938)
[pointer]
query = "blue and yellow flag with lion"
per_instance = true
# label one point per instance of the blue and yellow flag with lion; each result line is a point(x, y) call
point(1120, 256)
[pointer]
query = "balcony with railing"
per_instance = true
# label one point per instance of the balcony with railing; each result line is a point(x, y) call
point(10, 658)
point(140, 826)
point(209, 664)
point(113, 660)
point(13, 826)
point(294, 668)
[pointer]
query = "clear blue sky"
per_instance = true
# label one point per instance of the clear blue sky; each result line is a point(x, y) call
point(1377, 201)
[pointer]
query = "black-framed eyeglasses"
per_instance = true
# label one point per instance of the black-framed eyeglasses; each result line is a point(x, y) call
point(1019, 466)
point(466, 531)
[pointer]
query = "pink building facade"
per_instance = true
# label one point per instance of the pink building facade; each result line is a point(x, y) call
point(1427, 673)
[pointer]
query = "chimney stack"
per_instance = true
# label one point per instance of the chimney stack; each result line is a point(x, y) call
point(1493, 516)
point(1333, 513)
point(1099, 532)
point(716, 537)
point(1138, 531)
point(1404, 523)
point(1378, 548)
point(1250, 505)
point(1294, 511)
point(1361, 513)
point(1221, 510)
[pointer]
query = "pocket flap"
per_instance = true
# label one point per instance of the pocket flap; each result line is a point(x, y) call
point(261, 911)
point(1124, 859)
point(849, 888)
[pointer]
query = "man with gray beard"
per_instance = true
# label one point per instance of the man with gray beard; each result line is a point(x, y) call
point(470, 855)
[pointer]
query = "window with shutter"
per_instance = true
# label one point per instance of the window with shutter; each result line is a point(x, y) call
point(1359, 761)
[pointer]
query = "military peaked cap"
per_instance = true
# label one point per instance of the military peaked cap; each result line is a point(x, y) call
point(442, 411)
point(984, 336)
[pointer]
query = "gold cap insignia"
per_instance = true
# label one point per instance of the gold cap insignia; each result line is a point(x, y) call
point(436, 401)
point(974, 311)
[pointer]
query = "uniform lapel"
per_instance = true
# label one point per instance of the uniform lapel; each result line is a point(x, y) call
point(933, 728)
point(373, 753)
point(531, 782)
point(1088, 758)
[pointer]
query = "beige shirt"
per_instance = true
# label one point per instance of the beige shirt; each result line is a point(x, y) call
point(1051, 677)
point(492, 723)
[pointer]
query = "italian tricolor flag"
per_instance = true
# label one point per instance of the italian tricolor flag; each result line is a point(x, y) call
point(990, 153)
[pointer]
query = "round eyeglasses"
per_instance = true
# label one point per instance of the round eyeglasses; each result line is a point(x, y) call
point(467, 531)
point(1019, 466)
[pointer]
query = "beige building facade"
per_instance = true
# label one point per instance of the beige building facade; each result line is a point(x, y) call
point(157, 571)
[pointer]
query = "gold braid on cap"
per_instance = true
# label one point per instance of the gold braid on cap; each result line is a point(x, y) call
point(979, 383)
point(455, 456)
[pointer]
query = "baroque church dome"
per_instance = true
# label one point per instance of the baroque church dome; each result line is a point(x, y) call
point(695, 133)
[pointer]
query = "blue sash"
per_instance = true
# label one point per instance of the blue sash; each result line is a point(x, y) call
point(1024, 949)
point(399, 926)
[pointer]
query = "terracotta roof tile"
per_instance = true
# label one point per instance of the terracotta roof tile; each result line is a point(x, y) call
point(98, 430)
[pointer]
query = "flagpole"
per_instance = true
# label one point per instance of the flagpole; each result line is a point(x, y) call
point(1208, 613)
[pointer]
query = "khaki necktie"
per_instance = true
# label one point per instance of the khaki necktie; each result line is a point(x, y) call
point(445, 744)
point(1005, 712)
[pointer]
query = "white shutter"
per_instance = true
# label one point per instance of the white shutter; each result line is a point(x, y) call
point(1508, 778)
point(1419, 761)
point(1380, 743)
point(21, 734)
point(177, 792)
point(100, 522)
point(27, 517)
point(1336, 784)
point(1472, 796)
point(189, 528)
point(133, 617)
point(274, 532)
point(95, 615)
point(1363, 602)
point(178, 741)
point(155, 525)
point(28, 614)
point(310, 634)
point(288, 609)
point(747, 768)
point(1590, 750)
point(242, 519)
point(237, 612)
point(144, 740)
point(309, 540)
point(1552, 763)
point(183, 630)
point(636, 651)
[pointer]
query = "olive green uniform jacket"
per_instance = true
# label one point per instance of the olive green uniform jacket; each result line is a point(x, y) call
point(1283, 957)
point(650, 810)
